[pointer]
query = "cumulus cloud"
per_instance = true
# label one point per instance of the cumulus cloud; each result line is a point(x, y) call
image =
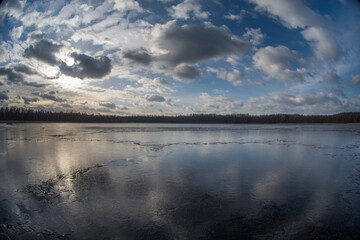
point(234, 76)
point(193, 43)
point(87, 67)
point(254, 35)
point(186, 72)
point(276, 62)
point(295, 14)
point(108, 105)
point(127, 5)
point(356, 79)
point(44, 51)
point(139, 56)
point(161, 81)
point(13, 77)
point(187, 7)
point(155, 98)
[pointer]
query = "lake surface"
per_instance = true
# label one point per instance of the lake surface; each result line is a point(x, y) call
point(179, 181)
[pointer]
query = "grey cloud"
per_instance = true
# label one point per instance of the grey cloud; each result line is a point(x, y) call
point(337, 92)
point(193, 43)
point(44, 51)
point(155, 98)
point(356, 79)
point(37, 35)
point(186, 72)
point(108, 105)
point(331, 77)
point(87, 67)
point(14, 4)
point(161, 81)
point(28, 100)
point(66, 105)
point(12, 77)
point(3, 96)
point(50, 96)
point(139, 56)
point(16, 78)
point(306, 99)
point(22, 68)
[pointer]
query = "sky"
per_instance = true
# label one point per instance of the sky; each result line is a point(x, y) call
point(171, 57)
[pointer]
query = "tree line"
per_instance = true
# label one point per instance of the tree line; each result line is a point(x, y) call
point(22, 114)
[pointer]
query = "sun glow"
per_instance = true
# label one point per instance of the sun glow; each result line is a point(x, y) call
point(69, 82)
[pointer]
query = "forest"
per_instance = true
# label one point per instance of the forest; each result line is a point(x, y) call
point(14, 114)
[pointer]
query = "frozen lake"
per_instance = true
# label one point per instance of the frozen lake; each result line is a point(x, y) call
point(180, 181)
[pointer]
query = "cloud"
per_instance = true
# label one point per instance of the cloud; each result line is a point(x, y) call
point(108, 105)
point(49, 96)
point(193, 43)
point(323, 43)
point(3, 96)
point(139, 56)
point(331, 77)
point(315, 98)
point(127, 5)
point(87, 67)
point(295, 14)
point(186, 72)
point(12, 77)
point(22, 68)
point(187, 7)
point(28, 100)
point(44, 51)
point(276, 62)
point(155, 98)
point(17, 78)
point(356, 79)
point(232, 77)
point(254, 35)
point(161, 81)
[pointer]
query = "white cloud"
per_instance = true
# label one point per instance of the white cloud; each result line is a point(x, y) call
point(254, 35)
point(187, 7)
point(233, 77)
point(323, 43)
point(295, 14)
point(122, 5)
point(276, 62)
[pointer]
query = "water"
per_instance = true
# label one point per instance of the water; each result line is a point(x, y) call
point(180, 181)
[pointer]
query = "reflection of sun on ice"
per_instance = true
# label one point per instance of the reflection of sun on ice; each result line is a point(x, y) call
point(69, 82)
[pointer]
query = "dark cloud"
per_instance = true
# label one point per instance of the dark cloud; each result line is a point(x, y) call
point(16, 78)
point(49, 96)
point(108, 105)
point(193, 43)
point(12, 77)
point(186, 72)
point(28, 100)
point(3, 96)
point(155, 98)
point(139, 56)
point(44, 51)
point(65, 105)
point(22, 68)
point(87, 67)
